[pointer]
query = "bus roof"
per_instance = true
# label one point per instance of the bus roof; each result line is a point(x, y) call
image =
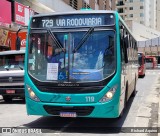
point(76, 12)
point(11, 52)
point(120, 18)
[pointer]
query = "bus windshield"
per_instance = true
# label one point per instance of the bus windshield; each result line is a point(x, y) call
point(12, 62)
point(69, 58)
point(139, 59)
point(149, 60)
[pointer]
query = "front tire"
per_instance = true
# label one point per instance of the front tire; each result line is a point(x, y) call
point(125, 103)
point(143, 75)
point(134, 91)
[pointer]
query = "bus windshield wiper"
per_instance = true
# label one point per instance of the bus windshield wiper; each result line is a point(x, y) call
point(84, 39)
point(58, 44)
point(6, 67)
point(21, 67)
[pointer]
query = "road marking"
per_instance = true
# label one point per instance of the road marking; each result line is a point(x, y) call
point(66, 126)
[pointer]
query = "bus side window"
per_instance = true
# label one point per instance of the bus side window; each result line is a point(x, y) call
point(124, 44)
point(131, 47)
point(126, 51)
point(122, 49)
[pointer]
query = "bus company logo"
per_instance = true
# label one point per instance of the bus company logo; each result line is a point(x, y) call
point(68, 98)
point(23, 42)
point(10, 79)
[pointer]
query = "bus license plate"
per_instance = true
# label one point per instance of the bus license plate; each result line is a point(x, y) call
point(10, 91)
point(68, 114)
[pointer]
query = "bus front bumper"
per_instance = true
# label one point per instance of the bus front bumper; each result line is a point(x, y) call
point(91, 110)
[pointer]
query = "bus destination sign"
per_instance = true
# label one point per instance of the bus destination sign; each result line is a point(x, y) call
point(67, 21)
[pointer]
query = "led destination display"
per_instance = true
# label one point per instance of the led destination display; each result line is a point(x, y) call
point(67, 21)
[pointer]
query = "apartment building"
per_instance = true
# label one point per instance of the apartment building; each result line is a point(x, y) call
point(140, 11)
point(93, 4)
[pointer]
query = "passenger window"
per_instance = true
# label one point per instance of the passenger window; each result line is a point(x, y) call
point(122, 44)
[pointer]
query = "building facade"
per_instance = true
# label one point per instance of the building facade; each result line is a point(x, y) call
point(140, 11)
point(93, 4)
point(141, 32)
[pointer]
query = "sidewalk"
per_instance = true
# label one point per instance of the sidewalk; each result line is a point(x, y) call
point(148, 114)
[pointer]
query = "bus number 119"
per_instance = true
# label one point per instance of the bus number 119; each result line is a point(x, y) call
point(89, 98)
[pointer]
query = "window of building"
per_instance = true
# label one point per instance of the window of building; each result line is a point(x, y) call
point(141, 0)
point(120, 10)
point(120, 3)
point(130, 8)
point(131, 15)
point(85, 5)
point(74, 4)
point(141, 7)
point(131, 1)
point(141, 15)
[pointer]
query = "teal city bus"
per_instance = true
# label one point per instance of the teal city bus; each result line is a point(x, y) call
point(79, 64)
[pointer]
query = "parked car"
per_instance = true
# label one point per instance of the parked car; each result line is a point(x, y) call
point(12, 74)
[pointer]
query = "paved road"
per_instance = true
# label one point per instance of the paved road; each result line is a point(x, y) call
point(141, 111)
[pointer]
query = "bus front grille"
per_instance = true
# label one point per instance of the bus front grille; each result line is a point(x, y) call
point(80, 111)
point(70, 90)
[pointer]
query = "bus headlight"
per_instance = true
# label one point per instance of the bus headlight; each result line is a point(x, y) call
point(32, 94)
point(109, 95)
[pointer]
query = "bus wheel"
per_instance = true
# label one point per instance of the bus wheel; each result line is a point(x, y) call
point(7, 98)
point(125, 103)
point(134, 91)
point(144, 75)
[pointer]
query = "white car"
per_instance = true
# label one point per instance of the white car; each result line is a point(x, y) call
point(12, 74)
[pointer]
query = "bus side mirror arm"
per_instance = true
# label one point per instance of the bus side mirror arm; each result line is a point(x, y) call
point(18, 40)
point(18, 43)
